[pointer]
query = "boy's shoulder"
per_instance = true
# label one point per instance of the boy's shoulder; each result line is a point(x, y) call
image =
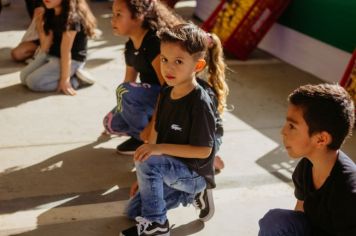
point(343, 172)
point(347, 170)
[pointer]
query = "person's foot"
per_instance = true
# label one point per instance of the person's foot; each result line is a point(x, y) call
point(129, 146)
point(218, 164)
point(145, 227)
point(205, 203)
point(84, 78)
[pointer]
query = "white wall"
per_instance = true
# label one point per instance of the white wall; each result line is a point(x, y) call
point(320, 59)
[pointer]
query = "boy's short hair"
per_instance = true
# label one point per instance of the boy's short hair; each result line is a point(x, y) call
point(326, 107)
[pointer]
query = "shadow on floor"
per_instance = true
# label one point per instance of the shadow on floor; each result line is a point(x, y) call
point(86, 172)
point(23, 95)
point(259, 98)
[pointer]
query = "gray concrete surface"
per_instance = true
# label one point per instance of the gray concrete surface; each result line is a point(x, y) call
point(58, 176)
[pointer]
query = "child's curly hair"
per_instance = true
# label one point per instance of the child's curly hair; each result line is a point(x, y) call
point(72, 11)
point(156, 14)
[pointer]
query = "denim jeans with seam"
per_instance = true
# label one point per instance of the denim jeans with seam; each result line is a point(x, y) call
point(43, 73)
point(135, 106)
point(164, 183)
point(282, 222)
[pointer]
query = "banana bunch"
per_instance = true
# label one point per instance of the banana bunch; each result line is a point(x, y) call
point(229, 17)
point(350, 86)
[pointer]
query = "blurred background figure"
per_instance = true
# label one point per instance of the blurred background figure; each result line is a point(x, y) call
point(30, 41)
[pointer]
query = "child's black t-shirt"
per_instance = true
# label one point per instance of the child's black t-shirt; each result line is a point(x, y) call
point(332, 208)
point(188, 120)
point(79, 47)
point(219, 132)
point(142, 58)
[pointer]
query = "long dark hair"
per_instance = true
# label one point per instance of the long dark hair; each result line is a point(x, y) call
point(156, 14)
point(72, 11)
point(202, 45)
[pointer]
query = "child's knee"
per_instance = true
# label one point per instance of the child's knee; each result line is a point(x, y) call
point(269, 222)
point(122, 88)
point(33, 83)
point(153, 162)
point(15, 54)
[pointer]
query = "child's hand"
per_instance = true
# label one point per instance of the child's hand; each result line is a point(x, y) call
point(144, 151)
point(66, 88)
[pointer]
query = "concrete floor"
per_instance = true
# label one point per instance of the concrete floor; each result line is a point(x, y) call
point(58, 176)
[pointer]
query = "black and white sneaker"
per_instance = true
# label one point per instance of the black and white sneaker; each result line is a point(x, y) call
point(84, 77)
point(129, 146)
point(205, 203)
point(145, 227)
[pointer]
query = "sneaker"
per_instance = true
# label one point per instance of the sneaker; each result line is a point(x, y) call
point(84, 78)
point(145, 227)
point(205, 203)
point(129, 146)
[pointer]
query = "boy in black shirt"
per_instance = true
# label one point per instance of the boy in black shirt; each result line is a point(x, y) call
point(176, 166)
point(319, 118)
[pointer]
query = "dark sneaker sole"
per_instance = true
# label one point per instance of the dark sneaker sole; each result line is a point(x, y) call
point(209, 193)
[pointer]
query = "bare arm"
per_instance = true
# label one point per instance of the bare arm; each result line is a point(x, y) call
point(45, 40)
point(130, 74)
point(66, 61)
point(145, 134)
point(152, 138)
point(156, 64)
point(299, 206)
point(183, 151)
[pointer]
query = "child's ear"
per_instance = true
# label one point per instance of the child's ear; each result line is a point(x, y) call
point(199, 66)
point(323, 139)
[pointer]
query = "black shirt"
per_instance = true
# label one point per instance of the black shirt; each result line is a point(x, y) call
point(331, 209)
point(219, 131)
point(189, 120)
point(141, 58)
point(79, 48)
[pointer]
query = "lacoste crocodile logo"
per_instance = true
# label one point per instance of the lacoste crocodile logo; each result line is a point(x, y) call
point(176, 127)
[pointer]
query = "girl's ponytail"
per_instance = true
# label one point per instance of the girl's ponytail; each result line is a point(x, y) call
point(216, 70)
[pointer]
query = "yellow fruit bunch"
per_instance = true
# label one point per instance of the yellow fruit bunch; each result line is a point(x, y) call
point(229, 17)
point(351, 84)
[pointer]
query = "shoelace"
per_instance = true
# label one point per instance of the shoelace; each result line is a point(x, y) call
point(142, 224)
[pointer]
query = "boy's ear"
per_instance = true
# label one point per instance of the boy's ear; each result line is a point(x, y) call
point(199, 66)
point(323, 139)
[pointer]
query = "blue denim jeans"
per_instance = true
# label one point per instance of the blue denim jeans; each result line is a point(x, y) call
point(43, 74)
point(135, 105)
point(164, 183)
point(281, 222)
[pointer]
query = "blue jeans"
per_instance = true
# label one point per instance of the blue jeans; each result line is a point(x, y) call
point(43, 74)
point(164, 183)
point(281, 222)
point(135, 105)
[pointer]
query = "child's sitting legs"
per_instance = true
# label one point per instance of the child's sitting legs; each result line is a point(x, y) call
point(156, 173)
point(284, 222)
